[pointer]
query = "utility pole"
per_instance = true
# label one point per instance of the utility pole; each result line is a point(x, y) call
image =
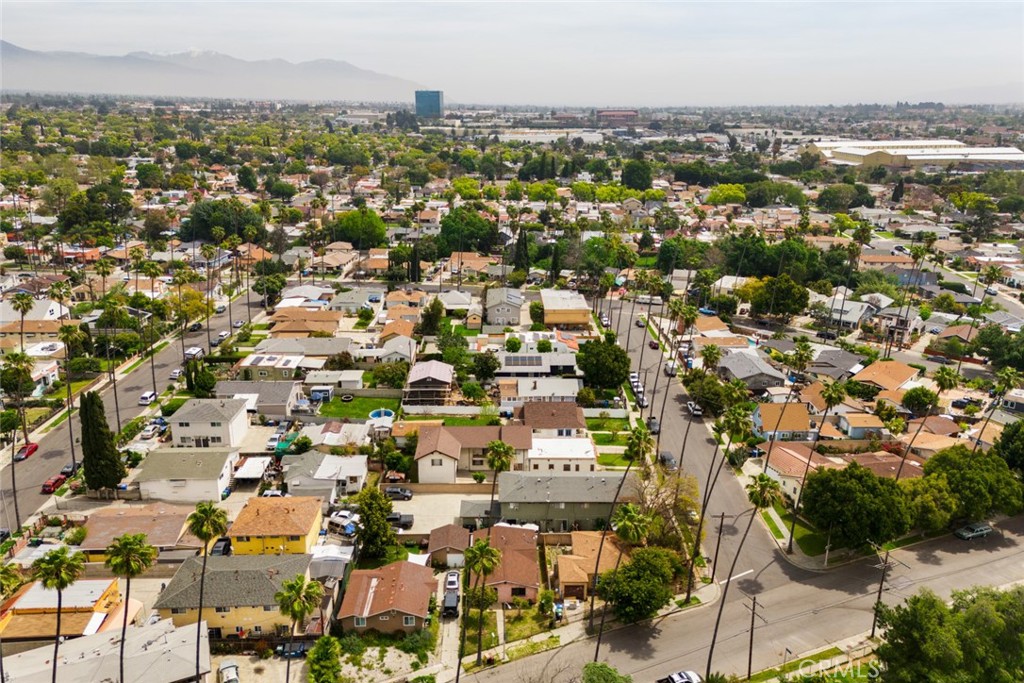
point(884, 565)
point(750, 649)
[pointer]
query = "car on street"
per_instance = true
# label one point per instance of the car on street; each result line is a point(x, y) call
point(639, 322)
point(237, 324)
point(825, 334)
point(963, 402)
point(176, 373)
point(227, 672)
point(642, 401)
point(195, 327)
point(682, 677)
point(147, 398)
point(941, 360)
point(653, 426)
point(974, 530)
point(991, 291)
point(451, 582)
point(25, 451)
point(667, 460)
point(398, 493)
point(53, 483)
point(71, 468)
point(149, 432)
point(653, 344)
point(220, 308)
point(634, 377)
point(694, 409)
point(4, 534)
point(605, 321)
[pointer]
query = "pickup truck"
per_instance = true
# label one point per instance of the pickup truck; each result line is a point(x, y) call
point(400, 520)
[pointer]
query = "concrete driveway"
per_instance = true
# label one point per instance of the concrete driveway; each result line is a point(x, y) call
point(432, 510)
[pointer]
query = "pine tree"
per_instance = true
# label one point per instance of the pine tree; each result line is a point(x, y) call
point(100, 459)
point(522, 255)
point(897, 192)
point(555, 263)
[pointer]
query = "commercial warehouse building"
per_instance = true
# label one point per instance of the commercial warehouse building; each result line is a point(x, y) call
point(915, 153)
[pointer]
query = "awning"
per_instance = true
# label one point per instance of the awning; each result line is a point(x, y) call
point(252, 468)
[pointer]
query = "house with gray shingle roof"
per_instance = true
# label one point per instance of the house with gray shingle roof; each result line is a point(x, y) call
point(186, 475)
point(210, 422)
point(751, 369)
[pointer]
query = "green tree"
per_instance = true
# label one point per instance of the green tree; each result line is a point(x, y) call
point(856, 505)
point(391, 375)
point(642, 586)
point(727, 193)
point(374, 533)
point(430, 318)
point(206, 523)
point(297, 599)
point(56, 571)
point(544, 346)
point(980, 484)
point(485, 365)
point(636, 174)
point(605, 364)
point(500, 456)
point(23, 303)
point(513, 344)
point(362, 227)
point(919, 400)
point(930, 501)
point(9, 423)
point(324, 661)
point(128, 556)
point(537, 312)
point(1010, 445)
point(599, 672)
point(100, 458)
point(481, 560)
point(780, 296)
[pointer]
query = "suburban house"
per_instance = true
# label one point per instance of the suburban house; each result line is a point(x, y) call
point(934, 424)
point(861, 425)
point(848, 315)
point(396, 328)
point(272, 526)
point(210, 422)
point(186, 475)
point(325, 476)
point(515, 392)
point(547, 420)
point(925, 444)
point(1014, 401)
point(557, 502)
point(566, 455)
point(336, 433)
point(354, 300)
point(275, 400)
point(429, 383)
point(536, 364)
point(238, 596)
point(454, 300)
point(443, 451)
point(447, 545)
point(789, 462)
point(398, 348)
point(394, 598)
point(517, 574)
point(503, 306)
point(164, 526)
point(756, 373)
point(890, 375)
point(565, 308)
point(411, 298)
point(787, 421)
point(574, 571)
point(88, 606)
point(834, 363)
point(271, 367)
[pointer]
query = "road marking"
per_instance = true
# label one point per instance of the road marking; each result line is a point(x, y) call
point(749, 571)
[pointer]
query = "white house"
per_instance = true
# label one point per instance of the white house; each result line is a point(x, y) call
point(572, 455)
point(210, 422)
point(186, 475)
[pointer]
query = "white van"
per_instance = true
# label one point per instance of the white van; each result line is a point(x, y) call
point(193, 352)
point(147, 398)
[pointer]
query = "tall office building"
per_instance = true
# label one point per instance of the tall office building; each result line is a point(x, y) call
point(429, 104)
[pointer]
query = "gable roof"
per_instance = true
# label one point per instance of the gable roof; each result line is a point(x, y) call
point(231, 581)
point(743, 365)
point(164, 525)
point(451, 440)
point(578, 565)
point(890, 374)
point(431, 369)
point(552, 415)
point(397, 328)
point(504, 295)
point(597, 487)
point(794, 417)
point(518, 564)
point(289, 516)
point(448, 537)
point(404, 587)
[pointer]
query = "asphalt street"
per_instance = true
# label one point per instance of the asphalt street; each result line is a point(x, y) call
point(55, 448)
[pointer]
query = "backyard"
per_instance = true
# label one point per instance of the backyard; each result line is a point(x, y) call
point(358, 408)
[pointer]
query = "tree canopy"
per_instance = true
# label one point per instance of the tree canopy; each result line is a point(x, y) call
point(856, 505)
point(604, 363)
point(101, 460)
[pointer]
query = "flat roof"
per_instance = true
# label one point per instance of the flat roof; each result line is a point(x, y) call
point(575, 448)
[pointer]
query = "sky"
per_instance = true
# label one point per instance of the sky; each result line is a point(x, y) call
point(585, 53)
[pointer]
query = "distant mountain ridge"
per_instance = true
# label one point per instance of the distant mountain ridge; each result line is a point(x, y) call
point(196, 74)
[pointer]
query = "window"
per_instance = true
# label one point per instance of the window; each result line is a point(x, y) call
point(536, 466)
point(183, 424)
point(568, 468)
point(294, 538)
point(408, 621)
point(436, 462)
point(519, 592)
point(215, 424)
point(360, 622)
point(177, 610)
point(269, 608)
point(383, 618)
point(216, 439)
point(257, 629)
point(551, 465)
point(243, 539)
point(263, 373)
point(565, 432)
point(577, 468)
point(239, 629)
point(222, 610)
point(478, 462)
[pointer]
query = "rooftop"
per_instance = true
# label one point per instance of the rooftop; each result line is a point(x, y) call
point(209, 410)
point(521, 487)
point(288, 516)
point(184, 463)
point(404, 587)
point(231, 581)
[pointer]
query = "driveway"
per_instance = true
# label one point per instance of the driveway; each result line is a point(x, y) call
point(432, 510)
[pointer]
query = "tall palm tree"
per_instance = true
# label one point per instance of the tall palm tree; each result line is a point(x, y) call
point(481, 559)
point(56, 570)
point(60, 292)
point(763, 492)
point(114, 311)
point(1006, 380)
point(711, 354)
point(10, 580)
point(206, 523)
point(71, 336)
point(499, 459)
point(945, 378)
point(736, 424)
point(250, 234)
point(23, 303)
point(209, 252)
point(20, 364)
point(990, 276)
point(231, 244)
point(833, 394)
point(137, 255)
point(297, 599)
point(641, 282)
point(152, 270)
point(128, 556)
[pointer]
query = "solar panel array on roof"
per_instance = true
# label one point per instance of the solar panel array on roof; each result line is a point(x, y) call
point(517, 361)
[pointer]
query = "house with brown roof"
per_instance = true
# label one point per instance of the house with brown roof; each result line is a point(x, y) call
point(412, 298)
point(787, 421)
point(789, 462)
point(878, 261)
point(574, 571)
point(272, 526)
point(962, 333)
point(889, 375)
point(885, 464)
point(934, 424)
point(164, 526)
point(442, 451)
point(861, 425)
point(396, 328)
point(704, 323)
point(517, 574)
point(924, 445)
point(447, 545)
point(87, 606)
point(552, 419)
point(394, 598)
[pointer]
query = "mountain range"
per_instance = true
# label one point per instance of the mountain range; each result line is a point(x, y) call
point(196, 74)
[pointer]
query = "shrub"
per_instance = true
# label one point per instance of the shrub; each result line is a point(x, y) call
point(170, 406)
point(479, 477)
point(75, 536)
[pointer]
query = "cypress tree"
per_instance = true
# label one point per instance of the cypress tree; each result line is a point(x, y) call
point(521, 261)
point(100, 458)
point(555, 263)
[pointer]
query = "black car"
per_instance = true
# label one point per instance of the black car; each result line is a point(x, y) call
point(293, 650)
point(653, 426)
point(195, 327)
point(398, 493)
point(450, 606)
point(639, 322)
point(71, 468)
point(667, 460)
point(4, 534)
point(825, 334)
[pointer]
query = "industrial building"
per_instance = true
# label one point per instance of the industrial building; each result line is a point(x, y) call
point(914, 153)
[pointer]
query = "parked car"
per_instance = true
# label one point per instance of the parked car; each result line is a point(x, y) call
point(220, 308)
point(451, 582)
point(941, 360)
point(401, 521)
point(227, 672)
point(667, 460)
point(293, 650)
point(53, 483)
point(25, 451)
point(450, 605)
point(237, 324)
point(272, 493)
point(176, 373)
point(4, 534)
point(694, 409)
point(223, 334)
point(991, 291)
point(974, 530)
point(149, 432)
point(195, 327)
point(605, 321)
point(398, 493)
point(273, 441)
point(147, 398)
point(634, 377)
point(71, 468)
point(639, 322)
point(682, 677)
point(653, 344)
point(825, 334)
point(642, 401)
point(935, 330)
point(222, 547)
point(653, 426)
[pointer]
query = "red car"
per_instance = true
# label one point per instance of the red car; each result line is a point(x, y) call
point(53, 483)
point(25, 451)
point(653, 344)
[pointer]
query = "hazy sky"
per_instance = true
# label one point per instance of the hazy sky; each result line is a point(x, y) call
point(596, 53)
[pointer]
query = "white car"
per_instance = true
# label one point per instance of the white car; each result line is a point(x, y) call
point(147, 398)
point(346, 516)
point(149, 432)
point(227, 672)
point(273, 441)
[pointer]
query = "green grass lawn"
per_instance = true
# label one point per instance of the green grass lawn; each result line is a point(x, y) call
point(457, 326)
point(36, 415)
point(490, 631)
point(596, 424)
point(361, 325)
point(80, 384)
point(395, 553)
point(771, 675)
point(358, 407)
point(770, 521)
point(811, 541)
point(369, 380)
point(612, 460)
point(608, 439)
point(450, 420)
point(523, 625)
point(261, 326)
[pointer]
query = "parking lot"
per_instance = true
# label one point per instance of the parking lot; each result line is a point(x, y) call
point(432, 510)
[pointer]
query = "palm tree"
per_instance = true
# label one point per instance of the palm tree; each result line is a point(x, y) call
point(60, 292)
point(1006, 379)
point(833, 394)
point(104, 268)
point(763, 492)
point(206, 523)
point(114, 311)
point(71, 336)
point(297, 599)
point(20, 364)
point(639, 445)
point(250, 234)
point(10, 580)
point(128, 556)
point(137, 256)
point(231, 244)
point(56, 570)
point(23, 303)
point(481, 559)
point(990, 276)
point(736, 424)
point(641, 282)
point(209, 252)
point(152, 270)
point(632, 527)
point(499, 459)
point(711, 355)
point(945, 378)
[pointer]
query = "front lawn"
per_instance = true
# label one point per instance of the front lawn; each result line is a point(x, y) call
point(609, 439)
point(612, 459)
point(395, 553)
point(490, 631)
point(358, 408)
point(528, 623)
point(618, 424)
point(811, 541)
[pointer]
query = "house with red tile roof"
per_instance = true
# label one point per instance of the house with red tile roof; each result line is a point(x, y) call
point(394, 598)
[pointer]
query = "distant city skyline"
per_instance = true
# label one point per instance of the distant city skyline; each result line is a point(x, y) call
point(585, 54)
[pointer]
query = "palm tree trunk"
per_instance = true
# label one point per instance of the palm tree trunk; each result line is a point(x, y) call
point(199, 618)
point(604, 614)
point(288, 660)
point(71, 430)
point(14, 482)
point(725, 591)
point(709, 486)
point(604, 533)
point(977, 441)
point(248, 305)
point(56, 637)
point(774, 436)
point(124, 623)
